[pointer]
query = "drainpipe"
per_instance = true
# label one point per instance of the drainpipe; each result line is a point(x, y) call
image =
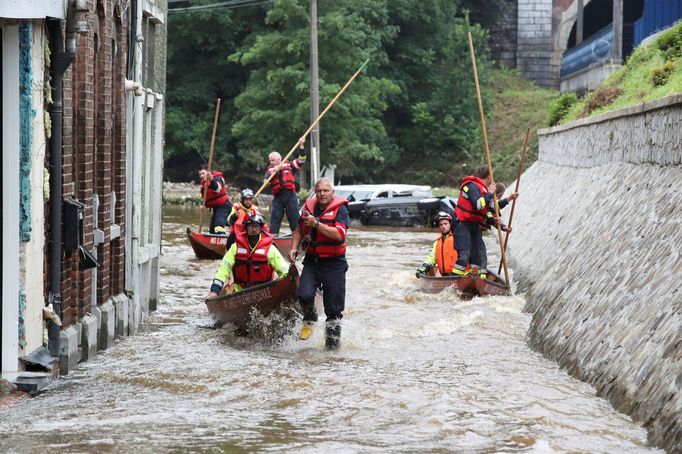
point(61, 60)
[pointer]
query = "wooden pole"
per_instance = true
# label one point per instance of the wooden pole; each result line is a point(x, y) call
point(310, 128)
point(516, 189)
point(487, 148)
point(210, 163)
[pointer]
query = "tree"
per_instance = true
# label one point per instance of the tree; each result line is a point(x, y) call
point(274, 108)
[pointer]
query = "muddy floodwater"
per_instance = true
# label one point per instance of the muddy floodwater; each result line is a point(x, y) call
point(416, 372)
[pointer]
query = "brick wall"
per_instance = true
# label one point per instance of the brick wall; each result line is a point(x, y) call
point(94, 154)
point(503, 36)
point(535, 48)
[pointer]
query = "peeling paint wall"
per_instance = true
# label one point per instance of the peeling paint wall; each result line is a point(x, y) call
point(26, 114)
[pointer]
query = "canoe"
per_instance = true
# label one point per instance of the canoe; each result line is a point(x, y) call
point(469, 286)
point(236, 307)
point(212, 247)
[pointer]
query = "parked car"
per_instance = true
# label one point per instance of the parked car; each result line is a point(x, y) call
point(397, 205)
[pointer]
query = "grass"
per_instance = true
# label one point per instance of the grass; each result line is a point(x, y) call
point(518, 105)
point(651, 72)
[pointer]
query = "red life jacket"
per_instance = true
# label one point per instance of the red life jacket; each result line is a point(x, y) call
point(287, 179)
point(446, 254)
point(466, 210)
point(213, 198)
point(252, 268)
point(321, 245)
point(241, 215)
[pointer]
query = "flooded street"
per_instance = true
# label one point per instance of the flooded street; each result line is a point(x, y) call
point(415, 373)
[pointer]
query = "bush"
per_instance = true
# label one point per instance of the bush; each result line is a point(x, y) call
point(601, 97)
point(670, 43)
point(560, 107)
point(659, 76)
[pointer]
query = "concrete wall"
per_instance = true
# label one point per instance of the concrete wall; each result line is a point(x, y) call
point(596, 248)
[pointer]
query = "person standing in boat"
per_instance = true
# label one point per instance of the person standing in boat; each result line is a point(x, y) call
point(321, 233)
point(473, 212)
point(251, 260)
point(217, 198)
point(443, 255)
point(284, 188)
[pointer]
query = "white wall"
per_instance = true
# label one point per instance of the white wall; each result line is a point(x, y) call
point(10, 198)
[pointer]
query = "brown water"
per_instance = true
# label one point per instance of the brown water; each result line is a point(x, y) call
point(416, 373)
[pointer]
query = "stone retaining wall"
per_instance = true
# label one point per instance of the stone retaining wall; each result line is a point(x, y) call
point(597, 248)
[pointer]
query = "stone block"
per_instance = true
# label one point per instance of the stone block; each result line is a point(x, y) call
point(69, 355)
point(107, 327)
point(121, 305)
point(134, 316)
point(89, 328)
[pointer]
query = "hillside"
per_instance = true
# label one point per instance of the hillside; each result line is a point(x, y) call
point(651, 72)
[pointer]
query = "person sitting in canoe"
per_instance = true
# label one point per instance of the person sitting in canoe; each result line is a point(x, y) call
point(443, 255)
point(252, 259)
point(239, 211)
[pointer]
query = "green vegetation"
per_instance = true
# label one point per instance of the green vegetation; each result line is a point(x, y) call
point(518, 105)
point(559, 108)
point(412, 116)
point(651, 72)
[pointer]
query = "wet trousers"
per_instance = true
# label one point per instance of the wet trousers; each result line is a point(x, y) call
point(469, 244)
point(285, 200)
point(330, 275)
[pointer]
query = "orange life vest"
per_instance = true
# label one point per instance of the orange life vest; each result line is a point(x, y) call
point(321, 245)
point(446, 254)
point(252, 267)
point(285, 178)
point(215, 198)
point(465, 209)
point(241, 215)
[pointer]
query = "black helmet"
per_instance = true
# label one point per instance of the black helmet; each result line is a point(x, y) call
point(256, 219)
point(247, 194)
point(442, 215)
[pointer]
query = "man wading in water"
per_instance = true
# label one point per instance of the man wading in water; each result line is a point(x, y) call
point(321, 232)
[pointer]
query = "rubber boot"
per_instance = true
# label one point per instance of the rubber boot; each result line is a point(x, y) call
point(332, 340)
point(306, 330)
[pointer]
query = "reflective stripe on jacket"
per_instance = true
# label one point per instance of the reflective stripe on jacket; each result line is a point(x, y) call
point(472, 210)
point(285, 178)
point(251, 265)
point(321, 245)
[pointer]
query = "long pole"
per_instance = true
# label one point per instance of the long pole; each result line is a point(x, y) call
point(516, 189)
point(310, 128)
point(487, 148)
point(210, 163)
point(314, 95)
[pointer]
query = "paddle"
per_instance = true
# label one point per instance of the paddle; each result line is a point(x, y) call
point(516, 189)
point(210, 163)
point(312, 126)
point(487, 148)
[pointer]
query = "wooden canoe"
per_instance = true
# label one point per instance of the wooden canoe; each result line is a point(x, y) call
point(236, 307)
point(212, 247)
point(469, 286)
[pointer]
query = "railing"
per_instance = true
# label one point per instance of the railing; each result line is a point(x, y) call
point(591, 52)
point(657, 15)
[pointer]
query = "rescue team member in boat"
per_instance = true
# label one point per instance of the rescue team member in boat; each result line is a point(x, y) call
point(321, 232)
point(217, 198)
point(443, 255)
point(251, 260)
point(498, 189)
point(239, 211)
point(284, 188)
point(473, 212)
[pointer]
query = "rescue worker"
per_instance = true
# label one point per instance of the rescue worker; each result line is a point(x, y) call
point(251, 260)
point(321, 232)
point(473, 212)
point(239, 211)
point(284, 188)
point(443, 255)
point(217, 198)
